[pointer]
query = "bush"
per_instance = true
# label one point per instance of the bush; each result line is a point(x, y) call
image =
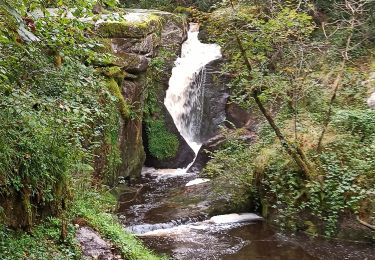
point(161, 143)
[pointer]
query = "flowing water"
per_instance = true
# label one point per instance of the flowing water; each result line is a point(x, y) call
point(170, 224)
point(165, 212)
point(184, 97)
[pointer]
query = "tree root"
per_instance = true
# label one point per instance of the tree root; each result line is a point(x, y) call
point(365, 224)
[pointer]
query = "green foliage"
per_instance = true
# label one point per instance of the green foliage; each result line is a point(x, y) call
point(347, 182)
point(55, 112)
point(43, 243)
point(170, 5)
point(293, 75)
point(161, 143)
point(49, 119)
point(358, 122)
point(233, 174)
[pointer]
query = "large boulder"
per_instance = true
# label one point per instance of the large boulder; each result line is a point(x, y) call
point(203, 156)
point(214, 144)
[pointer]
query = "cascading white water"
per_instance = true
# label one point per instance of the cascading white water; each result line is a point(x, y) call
point(184, 98)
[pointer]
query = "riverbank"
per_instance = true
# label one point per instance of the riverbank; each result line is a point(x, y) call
point(56, 238)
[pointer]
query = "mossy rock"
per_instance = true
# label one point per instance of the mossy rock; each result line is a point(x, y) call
point(105, 45)
point(123, 106)
point(130, 62)
point(129, 29)
point(113, 72)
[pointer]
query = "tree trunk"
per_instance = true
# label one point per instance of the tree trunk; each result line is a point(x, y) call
point(327, 119)
point(297, 154)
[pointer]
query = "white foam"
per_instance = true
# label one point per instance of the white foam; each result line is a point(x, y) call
point(216, 223)
point(196, 181)
point(233, 218)
point(165, 173)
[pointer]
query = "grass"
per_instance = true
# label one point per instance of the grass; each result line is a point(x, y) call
point(95, 207)
point(43, 243)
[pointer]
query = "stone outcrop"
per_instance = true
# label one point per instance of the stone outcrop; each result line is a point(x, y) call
point(135, 37)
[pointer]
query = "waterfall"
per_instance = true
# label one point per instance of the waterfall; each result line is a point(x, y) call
point(185, 95)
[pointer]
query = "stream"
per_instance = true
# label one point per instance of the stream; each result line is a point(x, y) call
point(181, 230)
point(163, 208)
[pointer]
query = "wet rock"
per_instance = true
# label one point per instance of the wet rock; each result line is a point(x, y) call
point(237, 116)
point(204, 153)
point(132, 63)
point(214, 99)
point(351, 229)
point(93, 246)
point(214, 144)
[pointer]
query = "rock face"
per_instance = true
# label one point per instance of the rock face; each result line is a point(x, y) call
point(214, 100)
point(371, 101)
point(214, 144)
point(135, 38)
point(204, 153)
point(93, 246)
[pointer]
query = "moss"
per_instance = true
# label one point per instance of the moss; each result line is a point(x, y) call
point(114, 72)
point(26, 203)
point(105, 45)
point(92, 205)
point(311, 228)
point(123, 106)
point(184, 10)
point(128, 61)
point(126, 29)
point(161, 143)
